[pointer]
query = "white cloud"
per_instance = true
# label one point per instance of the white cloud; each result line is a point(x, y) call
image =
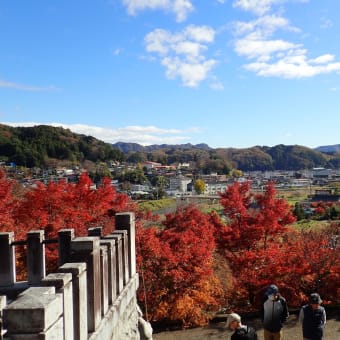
point(181, 8)
point(326, 23)
point(188, 48)
point(191, 73)
point(263, 26)
point(279, 58)
point(216, 85)
point(24, 87)
point(117, 52)
point(260, 7)
point(294, 65)
point(275, 57)
point(182, 53)
point(323, 59)
point(200, 33)
point(261, 49)
point(144, 135)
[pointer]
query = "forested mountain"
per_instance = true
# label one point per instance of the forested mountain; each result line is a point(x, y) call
point(221, 160)
point(128, 147)
point(41, 145)
point(45, 145)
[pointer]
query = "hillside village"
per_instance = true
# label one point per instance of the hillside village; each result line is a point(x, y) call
point(151, 180)
point(45, 153)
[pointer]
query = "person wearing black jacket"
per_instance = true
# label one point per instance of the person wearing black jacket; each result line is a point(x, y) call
point(313, 318)
point(241, 332)
point(274, 313)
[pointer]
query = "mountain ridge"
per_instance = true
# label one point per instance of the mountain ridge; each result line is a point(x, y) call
point(45, 146)
point(128, 146)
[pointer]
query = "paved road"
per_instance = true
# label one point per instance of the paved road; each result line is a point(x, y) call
point(215, 331)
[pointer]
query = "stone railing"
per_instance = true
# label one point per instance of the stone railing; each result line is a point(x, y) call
point(91, 296)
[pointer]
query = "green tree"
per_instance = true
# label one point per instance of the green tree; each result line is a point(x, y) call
point(298, 212)
point(160, 186)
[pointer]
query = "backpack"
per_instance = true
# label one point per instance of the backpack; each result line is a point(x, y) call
point(244, 333)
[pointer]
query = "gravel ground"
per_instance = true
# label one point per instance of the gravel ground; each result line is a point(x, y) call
point(292, 330)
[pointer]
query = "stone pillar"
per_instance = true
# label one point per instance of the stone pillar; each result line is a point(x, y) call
point(79, 299)
point(7, 256)
point(65, 236)
point(95, 231)
point(125, 254)
point(126, 221)
point(36, 314)
point(3, 301)
point(63, 285)
point(119, 262)
point(111, 268)
point(104, 276)
point(35, 256)
point(87, 249)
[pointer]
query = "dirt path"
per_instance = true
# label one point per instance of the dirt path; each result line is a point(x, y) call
point(292, 331)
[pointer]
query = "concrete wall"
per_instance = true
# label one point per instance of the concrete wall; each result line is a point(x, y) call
point(91, 296)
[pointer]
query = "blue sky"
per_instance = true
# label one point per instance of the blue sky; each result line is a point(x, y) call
point(229, 73)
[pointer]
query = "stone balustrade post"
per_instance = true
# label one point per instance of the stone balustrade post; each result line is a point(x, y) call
point(3, 302)
point(35, 314)
point(63, 285)
point(104, 281)
point(79, 299)
point(7, 256)
point(87, 249)
point(126, 221)
point(35, 256)
point(111, 265)
point(65, 236)
point(95, 231)
point(125, 255)
point(119, 262)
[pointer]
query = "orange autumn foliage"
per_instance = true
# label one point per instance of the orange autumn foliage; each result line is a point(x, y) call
point(176, 266)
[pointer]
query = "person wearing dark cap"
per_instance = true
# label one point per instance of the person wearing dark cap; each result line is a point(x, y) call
point(241, 332)
point(313, 318)
point(274, 313)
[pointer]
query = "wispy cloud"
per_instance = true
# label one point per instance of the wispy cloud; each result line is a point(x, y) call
point(117, 51)
point(182, 53)
point(325, 23)
point(144, 135)
point(24, 87)
point(181, 8)
point(271, 56)
point(216, 85)
point(260, 7)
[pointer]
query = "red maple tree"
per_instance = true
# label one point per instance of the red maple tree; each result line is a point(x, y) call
point(176, 262)
point(8, 203)
point(248, 237)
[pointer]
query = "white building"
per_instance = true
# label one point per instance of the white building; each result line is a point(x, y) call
point(179, 184)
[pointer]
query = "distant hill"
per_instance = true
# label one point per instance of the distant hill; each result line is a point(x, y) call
point(134, 147)
point(331, 149)
point(221, 160)
point(44, 145)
